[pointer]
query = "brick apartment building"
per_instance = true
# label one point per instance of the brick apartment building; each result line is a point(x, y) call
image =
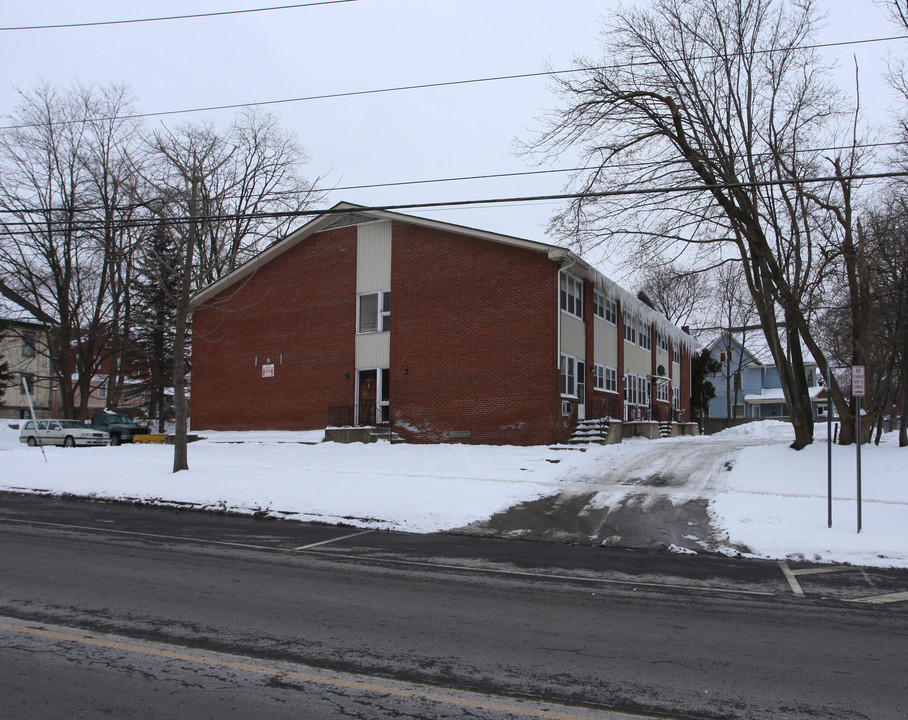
point(492, 339)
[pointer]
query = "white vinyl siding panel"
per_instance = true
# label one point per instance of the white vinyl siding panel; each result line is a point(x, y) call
point(573, 337)
point(637, 360)
point(373, 257)
point(605, 343)
point(373, 350)
point(662, 359)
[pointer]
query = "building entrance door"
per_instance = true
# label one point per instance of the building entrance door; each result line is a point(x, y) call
point(581, 390)
point(373, 396)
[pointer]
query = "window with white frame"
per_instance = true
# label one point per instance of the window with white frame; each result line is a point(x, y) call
point(676, 398)
point(374, 312)
point(662, 340)
point(598, 304)
point(568, 376)
point(646, 336)
point(611, 311)
point(611, 379)
point(605, 309)
point(637, 390)
point(598, 376)
point(662, 392)
point(676, 354)
point(572, 295)
point(630, 328)
point(630, 389)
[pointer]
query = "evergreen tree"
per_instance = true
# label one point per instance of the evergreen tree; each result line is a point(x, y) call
point(702, 366)
point(155, 312)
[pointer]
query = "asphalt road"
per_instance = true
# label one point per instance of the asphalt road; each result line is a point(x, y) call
point(115, 611)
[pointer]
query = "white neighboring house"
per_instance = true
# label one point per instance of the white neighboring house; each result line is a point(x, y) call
point(25, 349)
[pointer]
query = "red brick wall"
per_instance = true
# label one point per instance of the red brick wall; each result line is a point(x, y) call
point(475, 323)
point(300, 306)
point(474, 348)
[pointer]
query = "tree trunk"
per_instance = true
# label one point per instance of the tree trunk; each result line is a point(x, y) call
point(180, 454)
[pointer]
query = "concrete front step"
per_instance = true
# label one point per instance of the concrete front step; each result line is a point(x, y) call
point(588, 432)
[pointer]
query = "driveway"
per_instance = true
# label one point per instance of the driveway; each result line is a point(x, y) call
point(645, 494)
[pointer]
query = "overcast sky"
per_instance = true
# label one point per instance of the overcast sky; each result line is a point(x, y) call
point(423, 134)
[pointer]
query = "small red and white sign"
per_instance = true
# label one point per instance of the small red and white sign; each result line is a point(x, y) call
point(268, 370)
point(857, 381)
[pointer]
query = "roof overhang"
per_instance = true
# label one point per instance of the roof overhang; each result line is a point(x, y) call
point(327, 217)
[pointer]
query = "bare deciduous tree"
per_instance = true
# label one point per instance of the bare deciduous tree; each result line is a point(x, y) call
point(676, 292)
point(66, 243)
point(718, 104)
point(223, 196)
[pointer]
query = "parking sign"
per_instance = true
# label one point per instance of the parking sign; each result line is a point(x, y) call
point(857, 380)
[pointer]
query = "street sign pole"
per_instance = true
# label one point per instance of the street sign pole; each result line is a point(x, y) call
point(857, 390)
point(857, 421)
point(828, 450)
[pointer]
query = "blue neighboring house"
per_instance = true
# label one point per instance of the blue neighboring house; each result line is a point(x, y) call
point(747, 384)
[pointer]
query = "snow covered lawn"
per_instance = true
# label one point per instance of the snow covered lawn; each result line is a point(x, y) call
point(772, 499)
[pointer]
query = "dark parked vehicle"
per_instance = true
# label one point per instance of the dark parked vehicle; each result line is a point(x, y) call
point(122, 429)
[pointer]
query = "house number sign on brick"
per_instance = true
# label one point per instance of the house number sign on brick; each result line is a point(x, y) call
point(268, 370)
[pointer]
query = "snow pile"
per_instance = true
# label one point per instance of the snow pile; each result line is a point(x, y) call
point(774, 501)
point(762, 495)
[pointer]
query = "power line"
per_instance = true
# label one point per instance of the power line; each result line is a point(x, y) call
point(665, 190)
point(172, 17)
point(486, 176)
point(427, 86)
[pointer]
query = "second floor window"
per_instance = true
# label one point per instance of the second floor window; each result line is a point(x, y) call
point(598, 304)
point(28, 345)
point(374, 312)
point(572, 295)
point(646, 336)
point(630, 328)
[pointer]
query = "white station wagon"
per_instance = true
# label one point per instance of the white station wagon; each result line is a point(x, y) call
point(67, 433)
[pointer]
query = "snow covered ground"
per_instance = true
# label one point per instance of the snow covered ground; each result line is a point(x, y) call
point(761, 494)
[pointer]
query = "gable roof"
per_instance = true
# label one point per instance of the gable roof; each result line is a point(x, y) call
point(750, 339)
point(15, 308)
point(345, 214)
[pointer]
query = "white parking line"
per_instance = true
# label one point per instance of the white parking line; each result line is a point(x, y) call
point(332, 540)
point(883, 599)
point(405, 562)
point(792, 580)
point(823, 570)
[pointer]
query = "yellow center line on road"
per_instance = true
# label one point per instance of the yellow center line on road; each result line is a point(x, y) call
point(512, 706)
